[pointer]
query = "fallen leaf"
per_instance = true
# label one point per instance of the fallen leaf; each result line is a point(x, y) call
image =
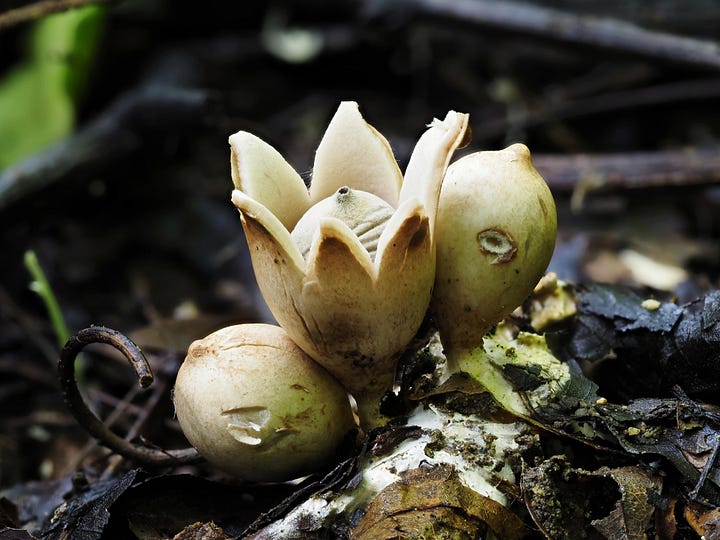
point(633, 512)
point(86, 515)
point(201, 531)
point(704, 521)
point(434, 503)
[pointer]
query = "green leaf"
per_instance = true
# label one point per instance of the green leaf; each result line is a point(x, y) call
point(34, 112)
point(38, 97)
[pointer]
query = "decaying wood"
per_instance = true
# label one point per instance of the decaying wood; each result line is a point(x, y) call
point(686, 91)
point(630, 170)
point(606, 33)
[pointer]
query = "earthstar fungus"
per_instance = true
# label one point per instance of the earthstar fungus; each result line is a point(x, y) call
point(347, 267)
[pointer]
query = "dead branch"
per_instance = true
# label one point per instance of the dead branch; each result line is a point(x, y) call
point(630, 170)
point(680, 91)
point(601, 32)
point(31, 11)
point(89, 421)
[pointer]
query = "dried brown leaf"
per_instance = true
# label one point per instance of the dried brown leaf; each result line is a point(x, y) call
point(176, 335)
point(434, 502)
point(704, 521)
point(633, 512)
point(201, 531)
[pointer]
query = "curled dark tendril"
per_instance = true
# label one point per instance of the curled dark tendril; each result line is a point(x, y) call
point(91, 423)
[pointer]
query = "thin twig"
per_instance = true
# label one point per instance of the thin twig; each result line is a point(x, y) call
point(121, 406)
point(142, 417)
point(33, 373)
point(29, 326)
point(709, 464)
point(36, 10)
point(88, 420)
point(612, 102)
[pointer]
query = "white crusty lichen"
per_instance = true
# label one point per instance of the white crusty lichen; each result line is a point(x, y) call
point(481, 452)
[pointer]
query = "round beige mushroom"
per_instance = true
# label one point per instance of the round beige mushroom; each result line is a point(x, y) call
point(254, 405)
point(364, 213)
point(495, 233)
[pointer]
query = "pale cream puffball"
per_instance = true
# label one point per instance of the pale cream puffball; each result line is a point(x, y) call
point(256, 406)
point(495, 232)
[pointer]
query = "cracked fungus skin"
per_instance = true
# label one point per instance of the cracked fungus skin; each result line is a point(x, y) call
point(256, 406)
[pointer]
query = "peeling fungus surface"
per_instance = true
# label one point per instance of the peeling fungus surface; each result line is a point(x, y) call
point(246, 424)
